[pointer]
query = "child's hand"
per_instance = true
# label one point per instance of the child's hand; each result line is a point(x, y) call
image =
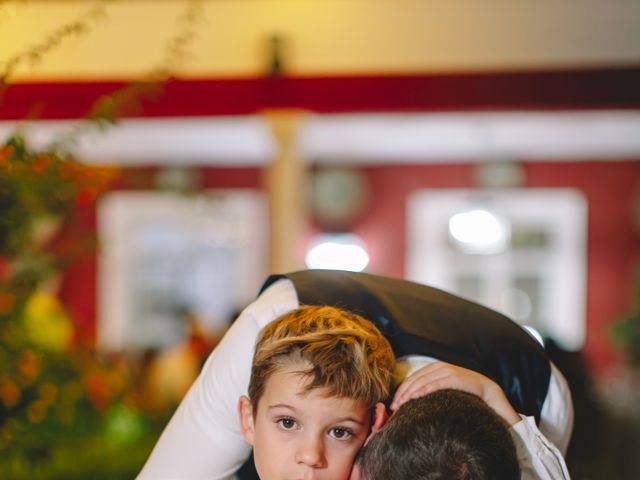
point(441, 375)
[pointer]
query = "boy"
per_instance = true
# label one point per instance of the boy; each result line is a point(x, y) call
point(316, 374)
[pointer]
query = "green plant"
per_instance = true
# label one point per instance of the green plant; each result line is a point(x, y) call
point(66, 411)
point(626, 331)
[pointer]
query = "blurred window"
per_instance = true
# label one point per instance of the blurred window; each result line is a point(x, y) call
point(521, 252)
point(168, 259)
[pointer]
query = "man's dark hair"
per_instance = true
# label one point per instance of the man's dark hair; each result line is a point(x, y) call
point(446, 435)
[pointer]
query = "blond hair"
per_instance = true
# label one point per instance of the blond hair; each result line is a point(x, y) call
point(336, 349)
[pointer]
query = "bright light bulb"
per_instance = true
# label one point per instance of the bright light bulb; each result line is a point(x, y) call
point(338, 252)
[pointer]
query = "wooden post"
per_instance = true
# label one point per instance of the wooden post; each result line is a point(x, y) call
point(285, 182)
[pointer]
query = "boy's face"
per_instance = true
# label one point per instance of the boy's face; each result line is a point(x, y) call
point(298, 435)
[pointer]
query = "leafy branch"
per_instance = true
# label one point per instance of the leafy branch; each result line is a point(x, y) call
point(106, 109)
point(76, 28)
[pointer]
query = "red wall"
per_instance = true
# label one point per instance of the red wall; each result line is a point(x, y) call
point(613, 244)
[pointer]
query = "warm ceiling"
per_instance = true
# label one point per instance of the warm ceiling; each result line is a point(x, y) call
point(327, 37)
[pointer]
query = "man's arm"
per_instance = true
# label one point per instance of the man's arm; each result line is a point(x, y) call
point(440, 375)
point(539, 458)
point(203, 439)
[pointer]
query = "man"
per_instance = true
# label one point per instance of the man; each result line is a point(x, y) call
point(422, 324)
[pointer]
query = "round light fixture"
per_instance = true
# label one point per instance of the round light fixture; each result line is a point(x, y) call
point(337, 252)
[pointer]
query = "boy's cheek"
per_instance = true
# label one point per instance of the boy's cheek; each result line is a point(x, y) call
point(355, 473)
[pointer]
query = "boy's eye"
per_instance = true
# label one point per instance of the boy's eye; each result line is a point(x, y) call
point(286, 423)
point(340, 433)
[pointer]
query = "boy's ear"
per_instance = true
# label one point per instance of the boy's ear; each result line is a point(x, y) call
point(380, 417)
point(245, 411)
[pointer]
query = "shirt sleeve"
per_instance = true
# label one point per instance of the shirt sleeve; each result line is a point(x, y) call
point(556, 417)
point(539, 458)
point(203, 438)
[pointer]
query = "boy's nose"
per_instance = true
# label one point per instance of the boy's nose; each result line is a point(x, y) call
point(310, 452)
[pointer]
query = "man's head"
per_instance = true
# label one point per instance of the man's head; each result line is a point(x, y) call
point(446, 435)
point(316, 373)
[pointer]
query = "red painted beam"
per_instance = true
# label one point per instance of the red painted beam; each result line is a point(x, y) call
point(571, 89)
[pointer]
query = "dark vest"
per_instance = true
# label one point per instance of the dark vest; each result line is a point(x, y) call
point(421, 320)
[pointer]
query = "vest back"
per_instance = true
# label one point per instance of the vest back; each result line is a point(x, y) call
point(421, 320)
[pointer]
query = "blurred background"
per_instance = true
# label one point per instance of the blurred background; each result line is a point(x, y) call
point(158, 159)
